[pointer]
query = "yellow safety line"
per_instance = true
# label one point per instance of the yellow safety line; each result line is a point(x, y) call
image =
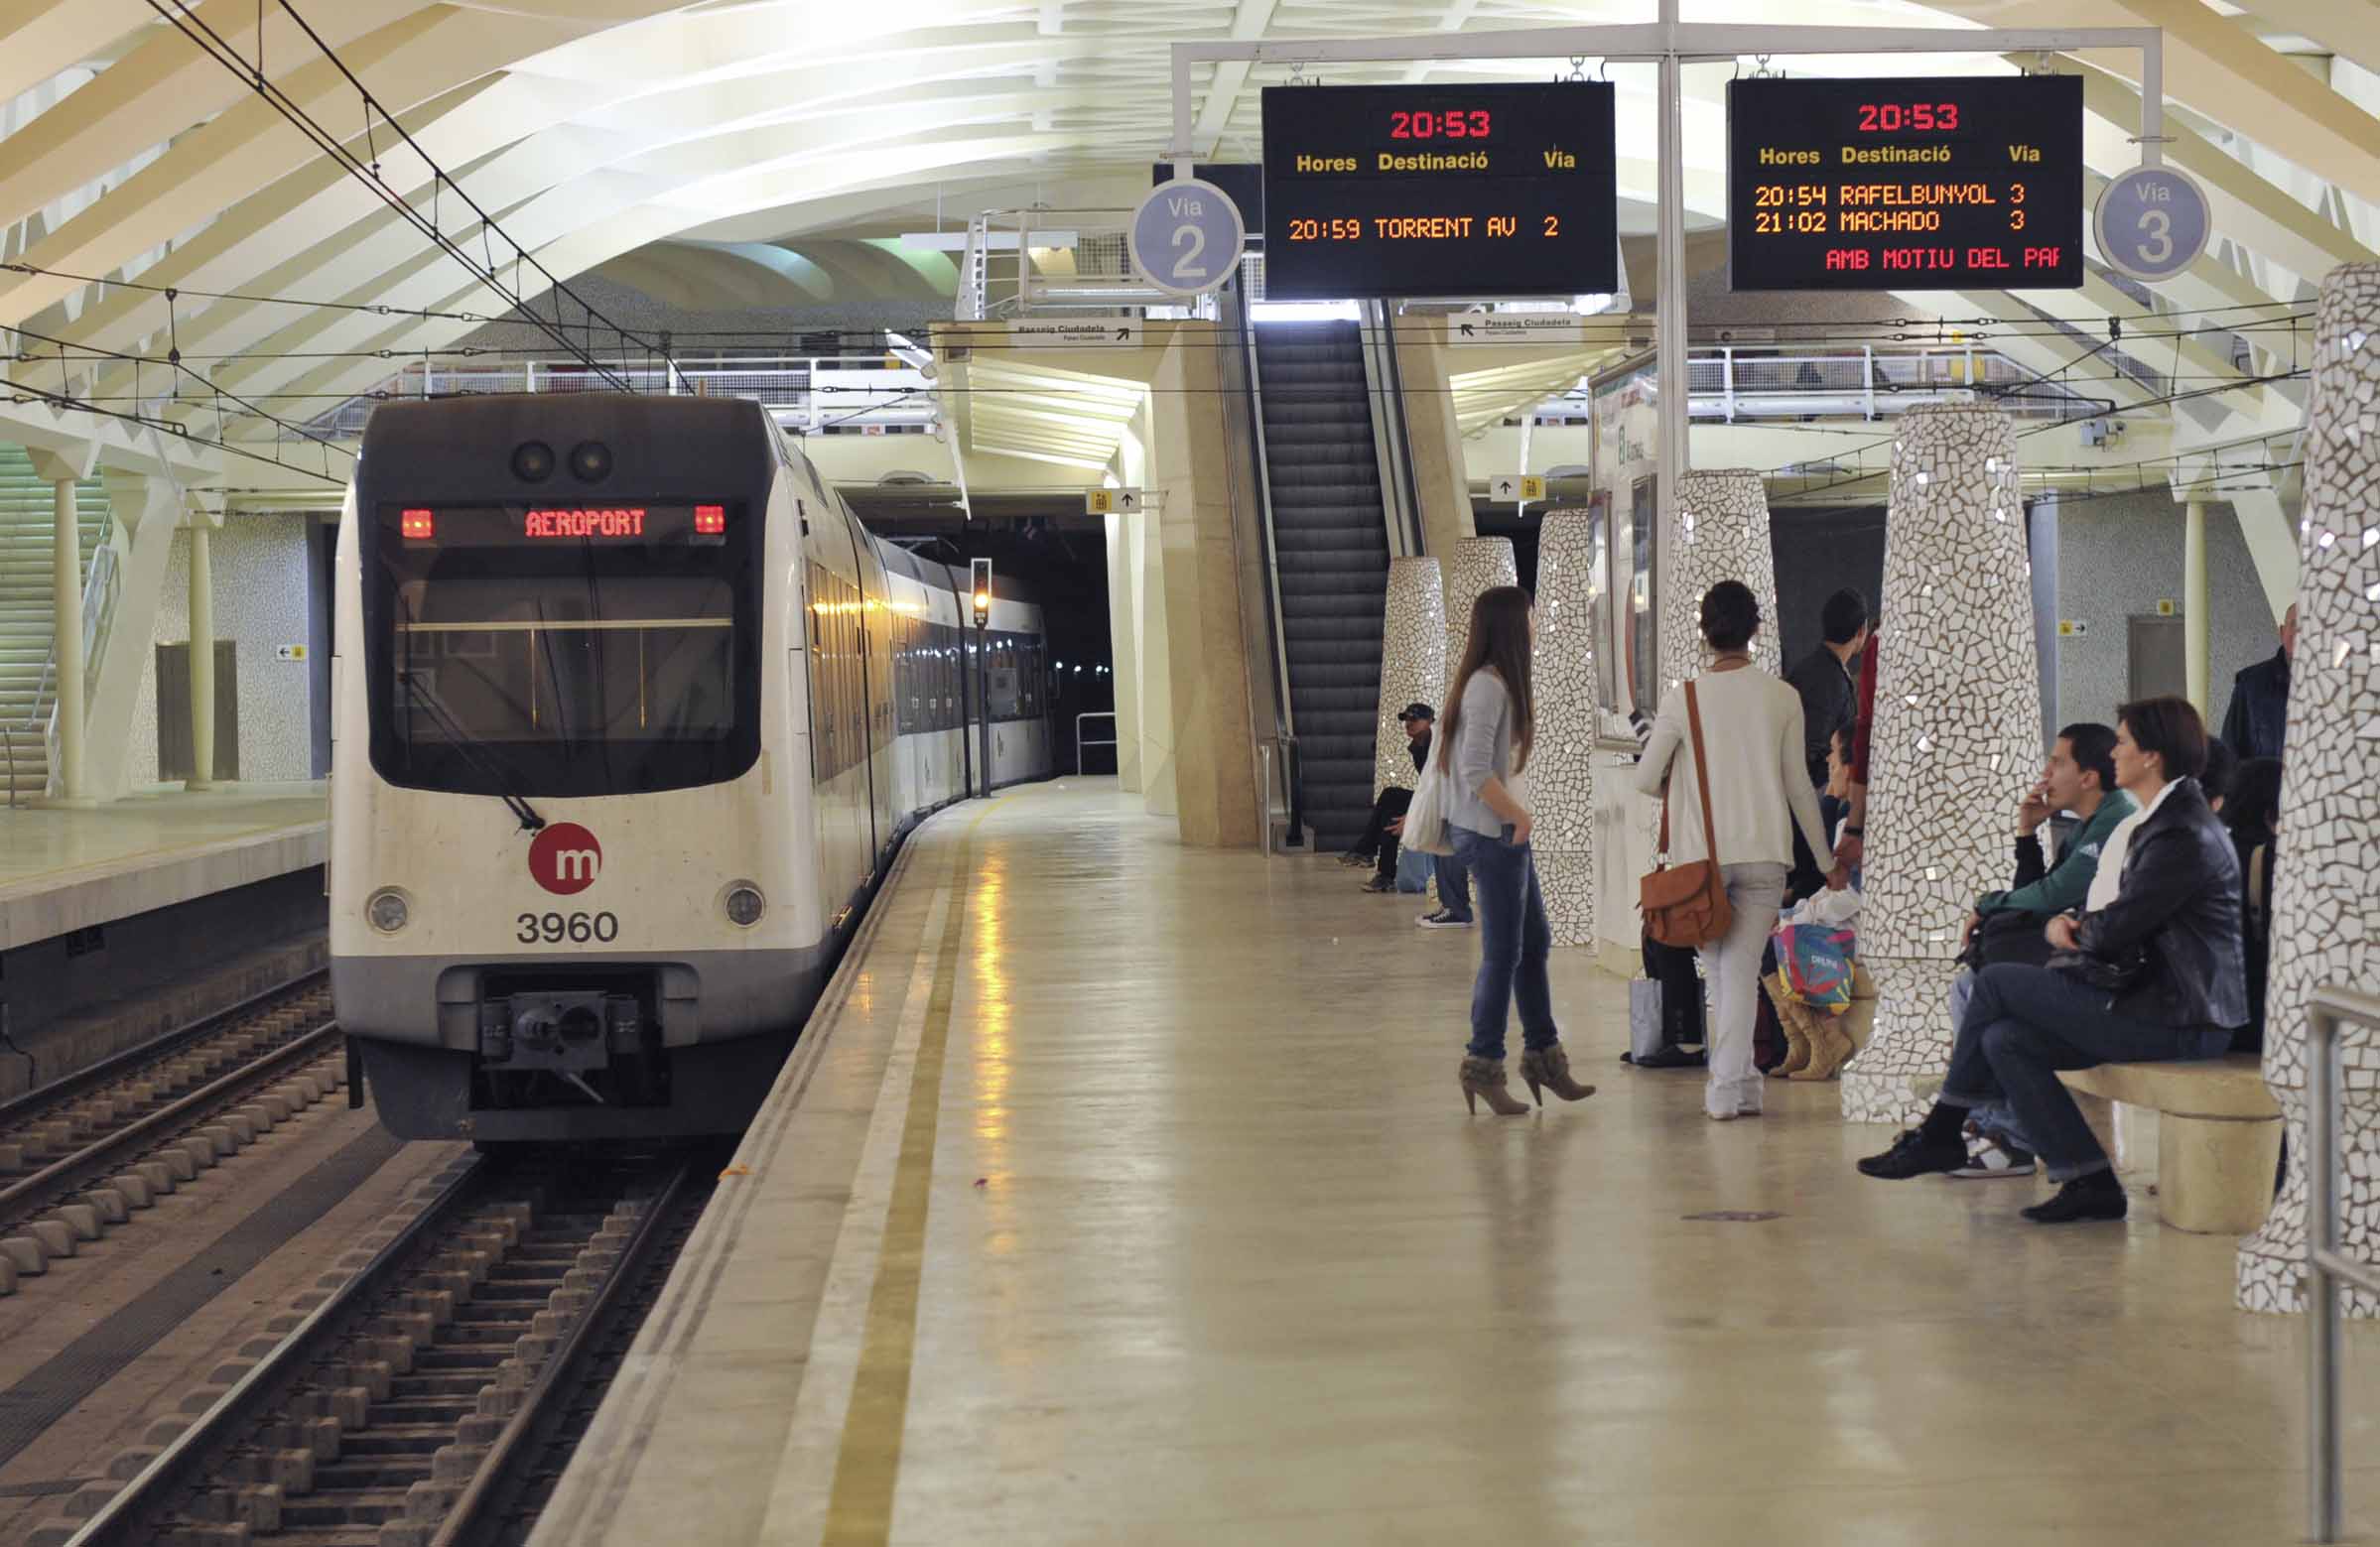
point(860, 1509)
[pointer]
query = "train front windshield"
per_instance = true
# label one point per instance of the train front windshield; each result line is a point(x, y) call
point(605, 650)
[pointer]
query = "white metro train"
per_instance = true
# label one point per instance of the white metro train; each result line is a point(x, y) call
point(631, 714)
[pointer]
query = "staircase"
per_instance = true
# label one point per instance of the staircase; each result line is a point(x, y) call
point(27, 527)
point(1329, 533)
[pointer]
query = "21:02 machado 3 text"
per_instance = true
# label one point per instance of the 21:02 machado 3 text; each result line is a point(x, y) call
point(1406, 228)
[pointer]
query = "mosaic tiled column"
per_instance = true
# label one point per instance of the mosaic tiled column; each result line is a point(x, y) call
point(1718, 531)
point(1478, 563)
point(2326, 909)
point(1413, 664)
point(1561, 769)
point(1957, 735)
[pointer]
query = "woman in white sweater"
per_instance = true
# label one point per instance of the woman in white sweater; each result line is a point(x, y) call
point(1759, 789)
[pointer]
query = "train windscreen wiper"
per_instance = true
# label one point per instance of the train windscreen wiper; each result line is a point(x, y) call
point(477, 753)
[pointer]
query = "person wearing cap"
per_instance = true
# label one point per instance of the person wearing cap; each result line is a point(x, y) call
point(1377, 845)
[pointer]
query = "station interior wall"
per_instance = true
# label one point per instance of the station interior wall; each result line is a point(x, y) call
point(262, 579)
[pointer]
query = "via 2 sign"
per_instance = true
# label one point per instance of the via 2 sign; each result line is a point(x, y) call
point(1187, 238)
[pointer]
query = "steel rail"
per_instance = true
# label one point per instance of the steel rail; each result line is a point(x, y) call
point(66, 1088)
point(2330, 1011)
point(241, 1403)
point(70, 1174)
point(561, 1367)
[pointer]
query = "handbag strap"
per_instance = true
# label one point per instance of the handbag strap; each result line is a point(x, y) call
point(1702, 775)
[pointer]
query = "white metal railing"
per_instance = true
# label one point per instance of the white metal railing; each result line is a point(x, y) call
point(1731, 383)
point(804, 393)
point(1000, 276)
point(1079, 743)
point(2331, 1008)
point(100, 589)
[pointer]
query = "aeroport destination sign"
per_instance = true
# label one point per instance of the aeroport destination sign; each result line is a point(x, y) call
point(1947, 183)
point(1379, 191)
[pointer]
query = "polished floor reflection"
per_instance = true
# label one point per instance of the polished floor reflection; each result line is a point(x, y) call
point(1213, 1254)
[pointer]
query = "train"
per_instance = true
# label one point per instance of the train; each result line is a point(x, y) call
point(631, 714)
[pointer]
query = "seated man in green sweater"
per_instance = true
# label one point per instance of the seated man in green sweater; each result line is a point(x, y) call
point(2079, 777)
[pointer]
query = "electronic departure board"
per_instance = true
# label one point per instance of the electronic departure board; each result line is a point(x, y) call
point(1374, 192)
point(1948, 184)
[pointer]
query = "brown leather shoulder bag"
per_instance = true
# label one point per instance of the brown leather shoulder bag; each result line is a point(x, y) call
point(1686, 905)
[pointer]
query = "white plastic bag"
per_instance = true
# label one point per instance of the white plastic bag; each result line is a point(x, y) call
point(1644, 1017)
point(1425, 820)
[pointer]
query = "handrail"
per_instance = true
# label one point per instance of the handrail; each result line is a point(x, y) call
point(1080, 743)
point(2330, 1008)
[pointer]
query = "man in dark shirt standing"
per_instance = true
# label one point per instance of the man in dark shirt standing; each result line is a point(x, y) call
point(1830, 693)
point(2259, 710)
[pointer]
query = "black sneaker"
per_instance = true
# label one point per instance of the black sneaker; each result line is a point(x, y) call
point(1914, 1155)
point(1672, 1056)
point(1355, 859)
point(2095, 1196)
point(1990, 1155)
point(1381, 883)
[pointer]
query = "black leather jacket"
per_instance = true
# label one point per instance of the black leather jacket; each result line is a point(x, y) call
point(2179, 902)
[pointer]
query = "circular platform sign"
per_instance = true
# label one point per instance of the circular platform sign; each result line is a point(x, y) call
point(1187, 238)
point(2151, 222)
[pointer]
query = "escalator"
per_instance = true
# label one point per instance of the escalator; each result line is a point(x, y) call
point(1321, 466)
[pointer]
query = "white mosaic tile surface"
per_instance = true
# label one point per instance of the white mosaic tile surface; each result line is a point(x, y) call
point(1957, 733)
point(1413, 664)
point(1718, 531)
point(1561, 771)
point(2326, 910)
point(1478, 563)
point(261, 575)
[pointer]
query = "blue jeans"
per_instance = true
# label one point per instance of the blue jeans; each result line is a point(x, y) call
point(1454, 878)
point(1513, 944)
point(1998, 1116)
point(2024, 1025)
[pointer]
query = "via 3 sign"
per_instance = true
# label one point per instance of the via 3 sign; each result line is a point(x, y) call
point(1187, 238)
point(2151, 222)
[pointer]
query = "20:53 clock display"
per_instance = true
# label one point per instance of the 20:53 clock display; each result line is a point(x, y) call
point(1453, 124)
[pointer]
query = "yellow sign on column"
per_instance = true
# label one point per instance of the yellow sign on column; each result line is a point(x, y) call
point(1099, 502)
point(1532, 486)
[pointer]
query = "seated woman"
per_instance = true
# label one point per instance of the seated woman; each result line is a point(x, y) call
point(2150, 970)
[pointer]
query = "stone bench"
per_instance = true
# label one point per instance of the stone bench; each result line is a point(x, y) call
point(2219, 1136)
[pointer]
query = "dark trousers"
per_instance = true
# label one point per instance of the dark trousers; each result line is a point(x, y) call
point(2024, 1025)
point(1514, 943)
point(1377, 840)
point(1672, 966)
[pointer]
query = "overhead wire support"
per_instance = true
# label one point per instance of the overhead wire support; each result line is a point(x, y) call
point(183, 16)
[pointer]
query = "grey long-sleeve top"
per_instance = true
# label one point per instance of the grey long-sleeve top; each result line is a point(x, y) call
point(1483, 748)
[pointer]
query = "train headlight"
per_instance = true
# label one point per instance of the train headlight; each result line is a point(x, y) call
point(387, 910)
point(743, 904)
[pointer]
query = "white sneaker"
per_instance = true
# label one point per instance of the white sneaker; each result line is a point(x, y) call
point(1442, 919)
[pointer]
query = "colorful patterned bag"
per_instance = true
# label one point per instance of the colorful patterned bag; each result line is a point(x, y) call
point(1816, 963)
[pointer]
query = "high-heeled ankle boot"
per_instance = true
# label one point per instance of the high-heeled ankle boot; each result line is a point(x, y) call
point(1830, 1049)
point(1482, 1077)
point(1550, 1067)
point(1789, 1020)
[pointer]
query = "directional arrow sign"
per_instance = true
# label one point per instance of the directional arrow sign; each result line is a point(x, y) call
point(1114, 502)
point(1088, 335)
point(1516, 327)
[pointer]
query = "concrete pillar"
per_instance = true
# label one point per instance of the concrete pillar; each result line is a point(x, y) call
point(2193, 604)
point(1718, 531)
point(1123, 639)
point(1956, 738)
point(65, 594)
point(1561, 768)
point(1480, 563)
point(1434, 438)
point(2326, 910)
point(1413, 664)
point(201, 608)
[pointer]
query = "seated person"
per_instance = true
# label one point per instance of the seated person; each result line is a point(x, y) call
point(1378, 844)
point(2081, 777)
point(2252, 811)
point(2149, 970)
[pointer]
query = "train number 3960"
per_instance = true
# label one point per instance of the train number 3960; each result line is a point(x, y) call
point(577, 928)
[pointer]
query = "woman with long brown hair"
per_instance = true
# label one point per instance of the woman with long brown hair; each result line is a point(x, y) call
point(1491, 720)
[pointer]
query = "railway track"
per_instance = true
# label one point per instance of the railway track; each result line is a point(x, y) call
point(397, 1411)
point(82, 1154)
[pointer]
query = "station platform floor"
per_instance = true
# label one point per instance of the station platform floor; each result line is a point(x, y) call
point(64, 868)
point(1123, 1192)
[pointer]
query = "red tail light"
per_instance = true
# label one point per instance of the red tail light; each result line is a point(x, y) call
point(417, 525)
point(710, 520)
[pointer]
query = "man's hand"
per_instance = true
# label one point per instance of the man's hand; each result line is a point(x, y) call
point(2034, 810)
point(1838, 878)
point(2060, 933)
point(1966, 936)
point(1395, 825)
point(1849, 850)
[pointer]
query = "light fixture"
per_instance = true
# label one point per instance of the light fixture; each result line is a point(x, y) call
point(387, 910)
